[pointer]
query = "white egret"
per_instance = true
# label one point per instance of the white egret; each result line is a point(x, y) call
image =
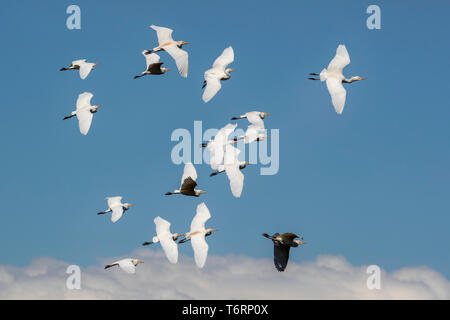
point(232, 169)
point(153, 65)
point(128, 265)
point(188, 182)
point(198, 233)
point(282, 243)
point(173, 48)
point(253, 133)
point(218, 72)
point(84, 67)
point(84, 112)
point(166, 238)
point(217, 145)
point(254, 117)
point(334, 78)
point(117, 208)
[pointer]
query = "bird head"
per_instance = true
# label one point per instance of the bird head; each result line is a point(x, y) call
point(136, 261)
point(357, 78)
point(180, 44)
point(228, 70)
point(264, 114)
point(128, 205)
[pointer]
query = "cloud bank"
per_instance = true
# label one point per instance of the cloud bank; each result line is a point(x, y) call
point(224, 277)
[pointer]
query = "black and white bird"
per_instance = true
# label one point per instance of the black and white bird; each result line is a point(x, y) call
point(188, 182)
point(84, 112)
point(117, 208)
point(128, 265)
point(197, 235)
point(84, 67)
point(153, 65)
point(218, 72)
point(172, 47)
point(282, 243)
point(166, 238)
point(334, 78)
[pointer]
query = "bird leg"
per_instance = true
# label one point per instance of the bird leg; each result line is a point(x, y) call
point(147, 243)
point(68, 117)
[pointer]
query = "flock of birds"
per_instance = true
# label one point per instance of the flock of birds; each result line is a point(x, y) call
point(223, 153)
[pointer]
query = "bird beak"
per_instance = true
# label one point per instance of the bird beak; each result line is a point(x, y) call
point(99, 107)
point(266, 114)
point(267, 136)
point(167, 69)
point(232, 69)
point(213, 229)
point(202, 191)
point(131, 204)
point(363, 78)
point(95, 64)
point(185, 42)
point(140, 261)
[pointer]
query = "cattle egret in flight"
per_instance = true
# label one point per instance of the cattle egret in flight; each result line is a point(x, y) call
point(253, 133)
point(282, 243)
point(232, 169)
point(153, 65)
point(254, 117)
point(166, 238)
point(84, 67)
point(173, 48)
point(334, 78)
point(128, 265)
point(188, 182)
point(217, 145)
point(117, 208)
point(84, 112)
point(218, 72)
point(198, 233)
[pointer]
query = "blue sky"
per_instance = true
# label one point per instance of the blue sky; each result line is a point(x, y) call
point(371, 184)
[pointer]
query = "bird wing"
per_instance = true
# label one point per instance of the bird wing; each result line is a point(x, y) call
point(289, 236)
point(337, 93)
point(235, 175)
point(117, 212)
point(216, 153)
point(127, 265)
point(164, 34)
point(162, 226)
point(181, 58)
point(200, 248)
point(340, 61)
point(77, 62)
point(85, 69)
point(169, 246)
point(114, 201)
point(84, 100)
point(200, 218)
point(224, 59)
point(150, 58)
point(254, 118)
point(188, 185)
point(222, 134)
point(212, 85)
point(84, 120)
point(189, 171)
point(252, 133)
point(280, 256)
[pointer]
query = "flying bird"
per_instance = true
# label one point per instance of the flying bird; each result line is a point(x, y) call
point(334, 78)
point(128, 265)
point(198, 233)
point(117, 208)
point(282, 243)
point(173, 48)
point(84, 112)
point(242, 165)
point(254, 117)
point(153, 65)
point(84, 67)
point(217, 145)
point(166, 238)
point(253, 133)
point(188, 182)
point(218, 72)
point(232, 168)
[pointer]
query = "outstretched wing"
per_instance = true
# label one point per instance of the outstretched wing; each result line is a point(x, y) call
point(127, 265)
point(164, 34)
point(224, 59)
point(200, 248)
point(255, 119)
point(150, 58)
point(85, 69)
point(340, 61)
point(281, 256)
point(212, 85)
point(338, 94)
point(235, 175)
point(165, 238)
point(84, 100)
point(200, 218)
point(84, 120)
point(181, 58)
point(189, 171)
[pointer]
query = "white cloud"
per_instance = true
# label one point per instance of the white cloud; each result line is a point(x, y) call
point(224, 277)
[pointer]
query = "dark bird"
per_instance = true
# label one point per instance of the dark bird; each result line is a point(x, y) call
point(282, 243)
point(153, 64)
